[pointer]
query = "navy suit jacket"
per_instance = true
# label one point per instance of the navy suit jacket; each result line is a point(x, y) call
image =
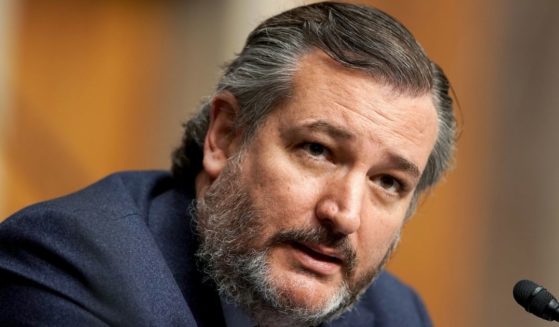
point(121, 253)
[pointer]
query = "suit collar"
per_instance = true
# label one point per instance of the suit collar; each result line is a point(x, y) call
point(360, 315)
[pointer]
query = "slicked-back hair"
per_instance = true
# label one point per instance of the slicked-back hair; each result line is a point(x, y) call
point(358, 37)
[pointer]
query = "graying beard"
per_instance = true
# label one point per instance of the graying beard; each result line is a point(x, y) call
point(246, 283)
point(226, 223)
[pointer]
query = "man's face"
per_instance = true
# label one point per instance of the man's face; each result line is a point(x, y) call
point(320, 194)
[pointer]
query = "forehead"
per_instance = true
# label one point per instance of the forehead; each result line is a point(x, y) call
point(323, 87)
point(317, 73)
point(378, 117)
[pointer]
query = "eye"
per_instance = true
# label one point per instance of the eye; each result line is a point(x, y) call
point(389, 183)
point(316, 149)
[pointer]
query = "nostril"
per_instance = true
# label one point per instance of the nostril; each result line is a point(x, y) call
point(329, 225)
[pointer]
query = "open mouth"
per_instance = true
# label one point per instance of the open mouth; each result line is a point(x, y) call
point(317, 255)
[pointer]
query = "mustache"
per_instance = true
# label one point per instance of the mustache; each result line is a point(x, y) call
point(323, 236)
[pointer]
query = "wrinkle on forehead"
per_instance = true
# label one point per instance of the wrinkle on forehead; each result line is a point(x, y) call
point(388, 107)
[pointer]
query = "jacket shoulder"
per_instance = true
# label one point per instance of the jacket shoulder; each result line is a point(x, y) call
point(88, 258)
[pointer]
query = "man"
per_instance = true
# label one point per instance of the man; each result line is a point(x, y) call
point(287, 197)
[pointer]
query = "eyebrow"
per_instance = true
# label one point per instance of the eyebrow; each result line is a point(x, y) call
point(326, 127)
point(406, 165)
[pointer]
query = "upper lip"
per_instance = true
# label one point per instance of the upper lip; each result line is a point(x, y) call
point(325, 251)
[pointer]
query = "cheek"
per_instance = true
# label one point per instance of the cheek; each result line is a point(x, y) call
point(284, 195)
point(376, 236)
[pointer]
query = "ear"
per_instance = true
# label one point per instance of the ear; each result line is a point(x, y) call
point(222, 140)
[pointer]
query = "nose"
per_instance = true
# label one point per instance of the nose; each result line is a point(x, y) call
point(341, 203)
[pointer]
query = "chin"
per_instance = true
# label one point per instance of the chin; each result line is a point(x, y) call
point(307, 290)
point(309, 295)
point(287, 295)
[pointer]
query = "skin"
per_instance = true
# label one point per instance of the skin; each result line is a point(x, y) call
point(345, 152)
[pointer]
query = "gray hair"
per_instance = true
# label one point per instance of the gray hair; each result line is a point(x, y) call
point(358, 37)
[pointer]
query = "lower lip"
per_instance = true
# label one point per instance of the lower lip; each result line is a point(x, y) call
point(315, 265)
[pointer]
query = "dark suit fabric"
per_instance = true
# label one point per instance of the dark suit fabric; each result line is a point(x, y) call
point(121, 253)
